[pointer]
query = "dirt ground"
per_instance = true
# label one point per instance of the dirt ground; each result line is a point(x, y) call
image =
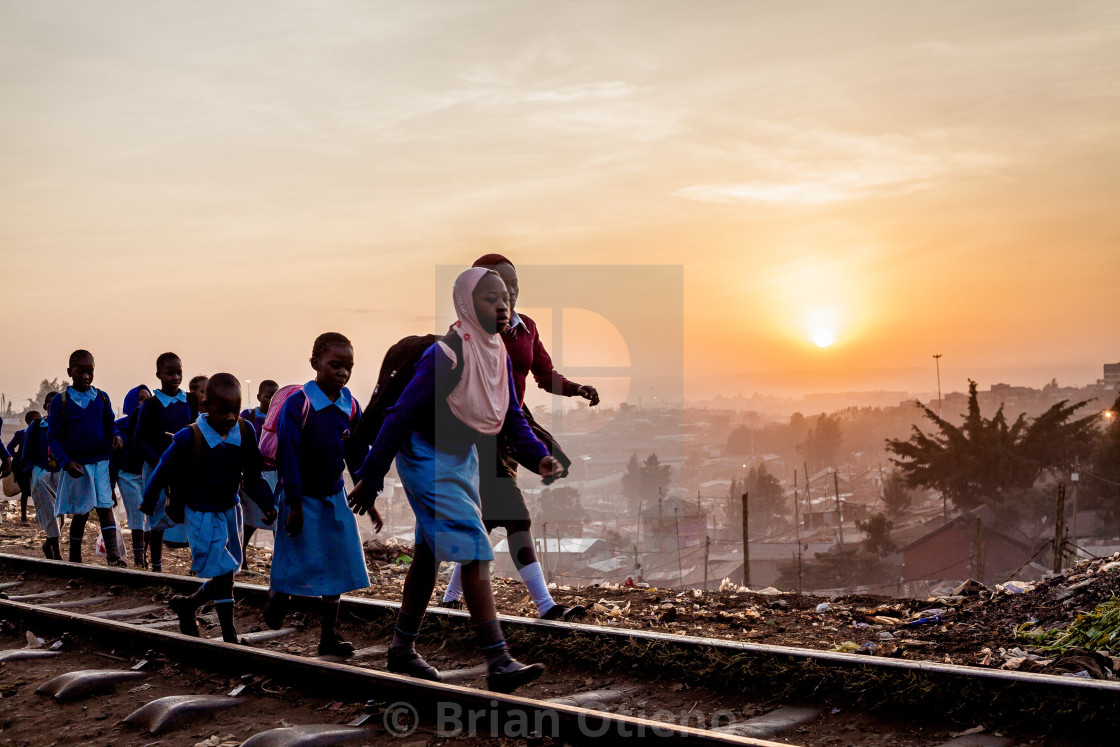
point(976, 627)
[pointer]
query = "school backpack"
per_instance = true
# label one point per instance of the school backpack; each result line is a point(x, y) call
point(270, 432)
point(397, 369)
point(176, 490)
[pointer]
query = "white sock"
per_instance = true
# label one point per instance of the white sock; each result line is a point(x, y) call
point(455, 586)
point(533, 576)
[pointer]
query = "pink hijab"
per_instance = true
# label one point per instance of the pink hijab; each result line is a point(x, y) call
point(481, 398)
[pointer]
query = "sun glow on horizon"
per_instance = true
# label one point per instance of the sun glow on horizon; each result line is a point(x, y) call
point(821, 326)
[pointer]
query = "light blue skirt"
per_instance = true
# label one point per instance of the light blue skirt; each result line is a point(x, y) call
point(160, 520)
point(44, 488)
point(442, 489)
point(215, 539)
point(324, 559)
point(131, 486)
point(176, 534)
point(80, 495)
point(251, 510)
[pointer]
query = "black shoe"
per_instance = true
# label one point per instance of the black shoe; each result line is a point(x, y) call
point(412, 664)
point(47, 549)
point(274, 611)
point(453, 604)
point(561, 613)
point(157, 567)
point(183, 607)
point(505, 678)
point(117, 563)
point(333, 645)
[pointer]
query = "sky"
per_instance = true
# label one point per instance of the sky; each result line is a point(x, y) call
point(846, 188)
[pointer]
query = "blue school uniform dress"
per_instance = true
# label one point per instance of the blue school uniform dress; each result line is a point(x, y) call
point(253, 517)
point(325, 558)
point(80, 429)
point(44, 480)
point(209, 481)
point(160, 418)
point(437, 460)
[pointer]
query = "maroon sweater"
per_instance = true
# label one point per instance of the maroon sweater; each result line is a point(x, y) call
point(527, 354)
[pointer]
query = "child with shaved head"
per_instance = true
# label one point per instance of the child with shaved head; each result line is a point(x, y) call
point(206, 463)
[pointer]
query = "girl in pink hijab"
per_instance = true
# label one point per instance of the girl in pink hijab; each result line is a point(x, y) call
point(462, 389)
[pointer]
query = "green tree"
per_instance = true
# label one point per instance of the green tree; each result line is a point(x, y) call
point(655, 477)
point(46, 386)
point(896, 495)
point(821, 446)
point(561, 504)
point(1101, 483)
point(766, 500)
point(632, 481)
point(976, 462)
point(878, 530)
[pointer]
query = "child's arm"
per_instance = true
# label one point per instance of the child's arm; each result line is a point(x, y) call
point(255, 485)
point(56, 431)
point(353, 449)
point(169, 465)
point(289, 439)
point(519, 438)
point(109, 423)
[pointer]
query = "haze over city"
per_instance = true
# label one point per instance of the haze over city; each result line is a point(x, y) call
point(847, 188)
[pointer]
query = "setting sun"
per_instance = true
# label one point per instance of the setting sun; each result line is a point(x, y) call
point(823, 338)
point(821, 325)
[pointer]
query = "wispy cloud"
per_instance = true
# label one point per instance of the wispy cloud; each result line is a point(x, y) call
point(825, 168)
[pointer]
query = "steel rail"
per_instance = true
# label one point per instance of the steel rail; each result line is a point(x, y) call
point(572, 723)
point(1057, 685)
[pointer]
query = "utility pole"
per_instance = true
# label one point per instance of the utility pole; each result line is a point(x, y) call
point(1059, 527)
point(979, 550)
point(680, 568)
point(746, 548)
point(937, 362)
point(707, 554)
point(839, 510)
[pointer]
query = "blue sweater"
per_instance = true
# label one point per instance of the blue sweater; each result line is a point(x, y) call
point(210, 479)
point(310, 459)
point(80, 435)
point(423, 408)
point(155, 426)
point(256, 419)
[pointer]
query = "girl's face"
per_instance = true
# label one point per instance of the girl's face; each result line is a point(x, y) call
point(143, 396)
point(170, 375)
point(491, 303)
point(81, 373)
point(221, 409)
point(333, 368)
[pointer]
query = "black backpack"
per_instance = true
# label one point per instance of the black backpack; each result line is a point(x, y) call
point(177, 489)
point(397, 369)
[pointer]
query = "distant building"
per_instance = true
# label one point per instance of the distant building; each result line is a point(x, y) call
point(672, 518)
point(1111, 375)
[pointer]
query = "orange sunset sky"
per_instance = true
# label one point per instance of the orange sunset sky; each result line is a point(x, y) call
point(894, 179)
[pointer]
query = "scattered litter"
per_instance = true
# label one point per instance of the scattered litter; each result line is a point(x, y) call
point(822, 607)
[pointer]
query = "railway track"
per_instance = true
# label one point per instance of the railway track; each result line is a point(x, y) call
point(604, 682)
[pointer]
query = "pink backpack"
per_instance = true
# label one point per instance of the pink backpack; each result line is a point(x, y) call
point(270, 437)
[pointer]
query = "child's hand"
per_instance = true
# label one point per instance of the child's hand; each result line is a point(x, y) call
point(589, 393)
point(376, 519)
point(550, 469)
point(294, 525)
point(268, 515)
point(5, 467)
point(74, 469)
point(118, 443)
point(362, 497)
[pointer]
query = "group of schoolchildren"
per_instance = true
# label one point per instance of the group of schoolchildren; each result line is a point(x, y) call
point(192, 462)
